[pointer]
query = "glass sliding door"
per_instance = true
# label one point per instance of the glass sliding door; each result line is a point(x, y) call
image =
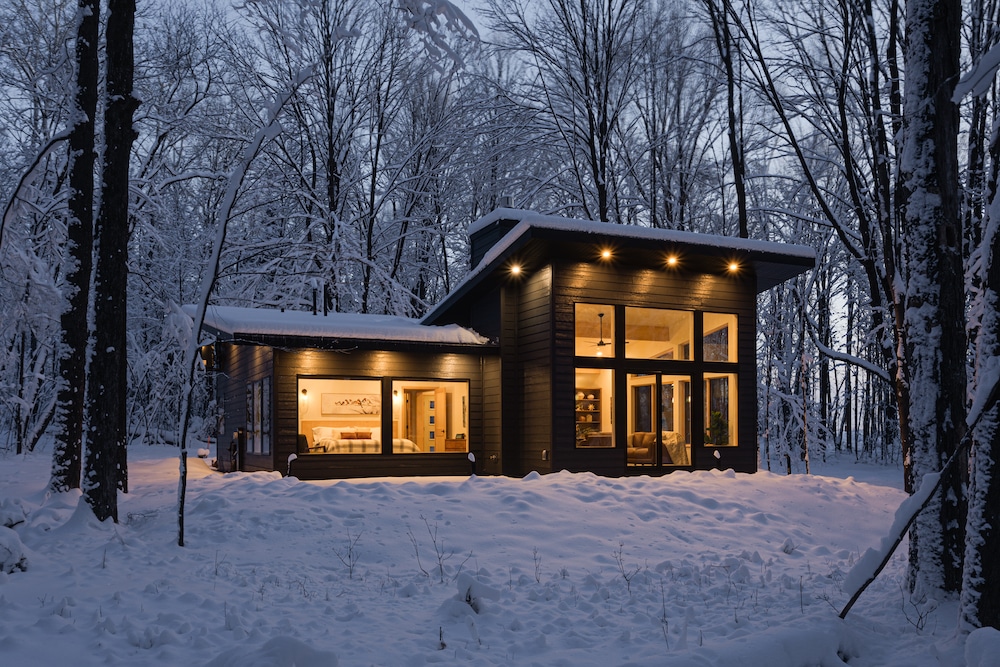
point(659, 420)
point(675, 420)
point(640, 439)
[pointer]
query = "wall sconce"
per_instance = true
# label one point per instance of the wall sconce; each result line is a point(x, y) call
point(304, 392)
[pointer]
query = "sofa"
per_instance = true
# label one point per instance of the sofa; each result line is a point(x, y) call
point(642, 446)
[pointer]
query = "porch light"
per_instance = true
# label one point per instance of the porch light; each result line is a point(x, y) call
point(606, 254)
point(672, 261)
point(734, 267)
point(515, 269)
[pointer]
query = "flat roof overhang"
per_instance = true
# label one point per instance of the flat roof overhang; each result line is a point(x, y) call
point(537, 240)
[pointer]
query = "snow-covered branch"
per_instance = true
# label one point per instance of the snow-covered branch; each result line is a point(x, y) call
point(435, 19)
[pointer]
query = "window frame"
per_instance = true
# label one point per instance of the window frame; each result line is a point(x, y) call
point(697, 368)
point(385, 384)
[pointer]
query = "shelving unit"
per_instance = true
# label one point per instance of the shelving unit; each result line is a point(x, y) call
point(588, 412)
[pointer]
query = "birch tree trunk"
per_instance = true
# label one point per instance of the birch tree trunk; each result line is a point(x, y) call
point(934, 353)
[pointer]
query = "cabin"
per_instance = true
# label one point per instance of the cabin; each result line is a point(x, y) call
point(570, 345)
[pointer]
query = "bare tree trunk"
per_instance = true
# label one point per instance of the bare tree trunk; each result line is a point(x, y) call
point(979, 603)
point(68, 452)
point(729, 54)
point(980, 597)
point(106, 465)
point(934, 317)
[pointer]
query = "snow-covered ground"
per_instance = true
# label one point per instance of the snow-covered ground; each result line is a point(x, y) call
point(700, 569)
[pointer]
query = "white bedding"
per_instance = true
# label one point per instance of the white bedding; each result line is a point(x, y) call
point(364, 446)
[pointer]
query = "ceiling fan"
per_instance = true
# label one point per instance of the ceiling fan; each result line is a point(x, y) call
point(601, 342)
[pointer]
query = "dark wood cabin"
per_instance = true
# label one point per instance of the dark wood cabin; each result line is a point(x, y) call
point(345, 395)
point(570, 345)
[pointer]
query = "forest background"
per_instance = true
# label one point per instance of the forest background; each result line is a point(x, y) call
point(345, 146)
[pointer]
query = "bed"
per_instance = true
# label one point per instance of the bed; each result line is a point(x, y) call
point(353, 440)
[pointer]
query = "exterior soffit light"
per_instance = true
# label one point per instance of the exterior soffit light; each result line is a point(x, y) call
point(515, 269)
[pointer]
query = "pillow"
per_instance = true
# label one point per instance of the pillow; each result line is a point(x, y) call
point(348, 435)
point(322, 433)
point(376, 433)
point(363, 435)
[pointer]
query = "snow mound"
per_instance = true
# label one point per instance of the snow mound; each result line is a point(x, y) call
point(815, 643)
point(473, 592)
point(12, 552)
point(276, 652)
point(982, 648)
point(12, 512)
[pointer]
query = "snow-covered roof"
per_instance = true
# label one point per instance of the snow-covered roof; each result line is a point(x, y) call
point(355, 326)
point(532, 220)
point(774, 262)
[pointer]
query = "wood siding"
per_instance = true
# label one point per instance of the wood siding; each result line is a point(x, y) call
point(510, 382)
point(534, 354)
point(244, 364)
point(494, 408)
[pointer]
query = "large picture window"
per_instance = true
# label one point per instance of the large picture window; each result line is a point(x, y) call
point(430, 416)
point(341, 416)
point(347, 416)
